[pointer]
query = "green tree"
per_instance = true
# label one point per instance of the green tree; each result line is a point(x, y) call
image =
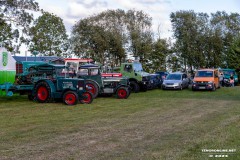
point(234, 54)
point(185, 29)
point(109, 35)
point(158, 56)
point(203, 40)
point(15, 20)
point(228, 28)
point(140, 36)
point(48, 35)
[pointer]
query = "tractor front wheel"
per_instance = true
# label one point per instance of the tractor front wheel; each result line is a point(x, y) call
point(87, 98)
point(70, 98)
point(134, 86)
point(122, 93)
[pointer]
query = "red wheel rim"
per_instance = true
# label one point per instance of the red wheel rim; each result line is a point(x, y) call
point(42, 93)
point(122, 93)
point(70, 99)
point(87, 98)
point(92, 90)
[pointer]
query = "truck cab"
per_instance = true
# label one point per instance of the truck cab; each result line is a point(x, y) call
point(139, 80)
point(206, 79)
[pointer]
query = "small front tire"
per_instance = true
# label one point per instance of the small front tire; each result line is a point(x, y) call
point(70, 98)
point(87, 98)
point(122, 93)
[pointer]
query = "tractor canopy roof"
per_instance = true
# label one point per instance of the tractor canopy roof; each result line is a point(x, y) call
point(47, 66)
point(87, 66)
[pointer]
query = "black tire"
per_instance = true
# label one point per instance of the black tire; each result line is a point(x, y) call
point(94, 86)
point(70, 98)
point(87, 98)
point(122, 93)
point(181, 88)
point(214, 88)
point(134, 86)
point(42, 92)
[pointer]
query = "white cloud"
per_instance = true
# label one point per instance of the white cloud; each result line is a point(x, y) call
point(72, 11)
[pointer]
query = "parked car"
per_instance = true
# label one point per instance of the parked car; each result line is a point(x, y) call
point(155, 81)
point(228, 72)
point(176, 80)
point(206, 79)
point(162, 74)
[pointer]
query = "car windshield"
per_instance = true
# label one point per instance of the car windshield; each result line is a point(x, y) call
point(137, 67)
point(228, 73)
point(204, 74)
point(174, 77)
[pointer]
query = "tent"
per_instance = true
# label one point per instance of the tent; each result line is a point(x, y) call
point(7, 67)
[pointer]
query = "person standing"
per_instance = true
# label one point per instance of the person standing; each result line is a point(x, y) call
point(221, 81)
point(232, 80)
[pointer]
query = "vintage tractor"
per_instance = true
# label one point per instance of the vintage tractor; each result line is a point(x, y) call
point(48, 82)
point(99, 85)
point(52, 82)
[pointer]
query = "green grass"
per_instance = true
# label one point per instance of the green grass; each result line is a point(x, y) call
point(149, 125)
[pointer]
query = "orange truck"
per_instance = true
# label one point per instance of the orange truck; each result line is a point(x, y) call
point(206, 79)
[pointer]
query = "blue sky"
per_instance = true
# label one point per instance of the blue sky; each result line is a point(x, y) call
point(73, 10)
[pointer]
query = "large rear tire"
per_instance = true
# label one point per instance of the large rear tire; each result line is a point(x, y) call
point(87, 98)
point(134, 87)
point(93, 88)
point(70, 98)
point(42, 92)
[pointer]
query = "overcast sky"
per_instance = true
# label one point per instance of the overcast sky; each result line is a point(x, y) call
point(73, 10)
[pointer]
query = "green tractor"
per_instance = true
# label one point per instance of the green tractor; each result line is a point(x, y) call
point(139, 80)
point(99, 85)
point(52, 82)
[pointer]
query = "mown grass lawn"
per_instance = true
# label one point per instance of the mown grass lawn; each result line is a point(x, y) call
point(150, 125)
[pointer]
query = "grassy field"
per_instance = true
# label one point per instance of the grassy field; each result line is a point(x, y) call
point(152, 125)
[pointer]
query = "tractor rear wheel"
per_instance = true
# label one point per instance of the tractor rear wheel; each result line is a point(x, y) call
point(122, 93)
point(70, 98)
point(87, 98)
point(43, 92)
point(93, 88)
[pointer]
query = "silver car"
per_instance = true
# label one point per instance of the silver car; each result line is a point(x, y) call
point(176, 80)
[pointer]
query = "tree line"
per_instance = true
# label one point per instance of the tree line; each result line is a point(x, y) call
point(113, 36)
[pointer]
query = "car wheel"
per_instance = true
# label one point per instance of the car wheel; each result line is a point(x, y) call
point(214, 88)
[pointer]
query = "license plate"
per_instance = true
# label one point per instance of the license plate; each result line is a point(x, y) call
point(201, 87)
